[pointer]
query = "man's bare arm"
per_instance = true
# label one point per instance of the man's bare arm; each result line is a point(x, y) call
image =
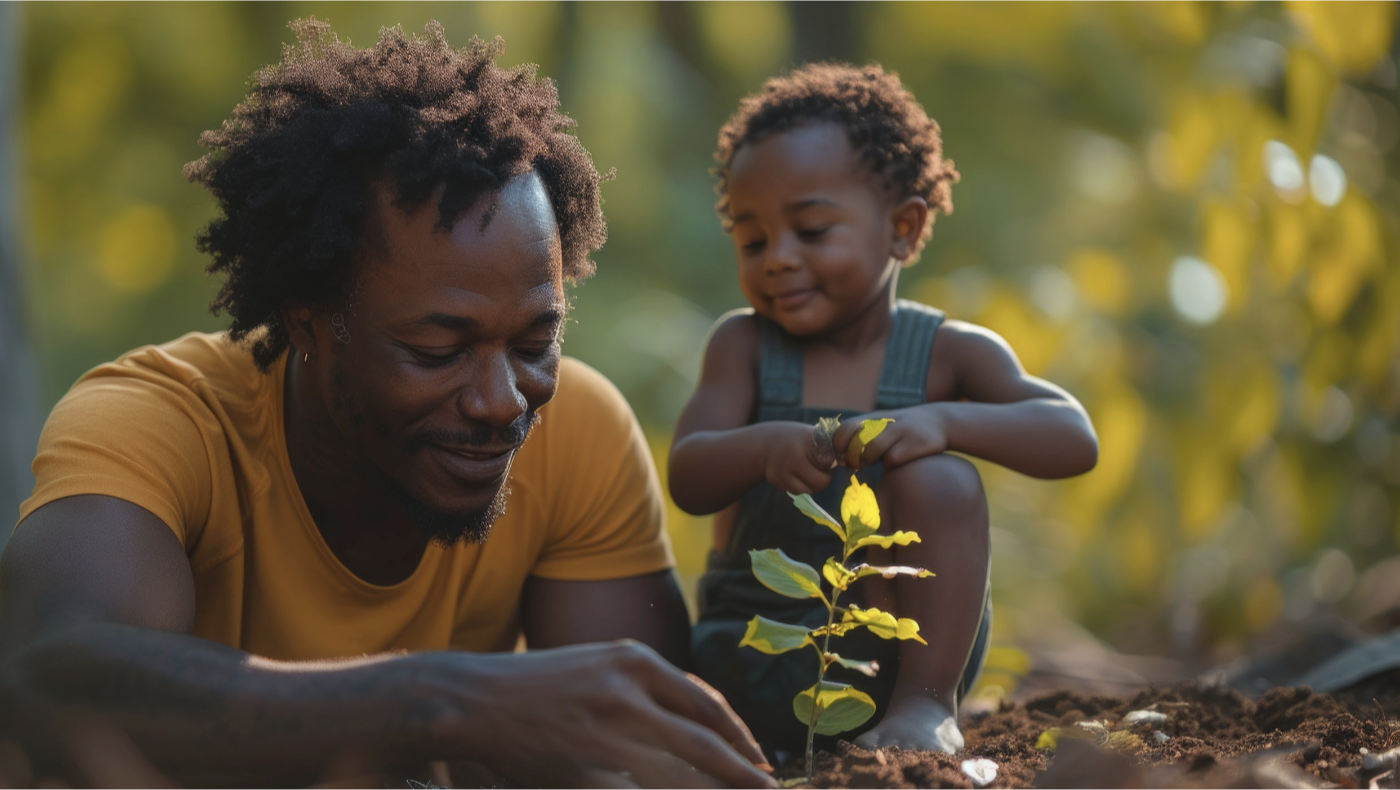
point(95, 604)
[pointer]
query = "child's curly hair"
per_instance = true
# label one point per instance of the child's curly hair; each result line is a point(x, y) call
point(296, 167)
point(885, 123)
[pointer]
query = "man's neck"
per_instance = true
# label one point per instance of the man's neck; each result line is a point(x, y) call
point(357, 515)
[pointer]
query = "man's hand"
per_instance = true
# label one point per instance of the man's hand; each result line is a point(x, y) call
point(793, 461)
point(606, 715)
point(916, 432)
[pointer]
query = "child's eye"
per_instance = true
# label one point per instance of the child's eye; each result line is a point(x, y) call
point(753, 246)
point(811, 234)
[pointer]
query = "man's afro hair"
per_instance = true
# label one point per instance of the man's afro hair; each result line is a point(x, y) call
point(885, 123)
point(295, 168)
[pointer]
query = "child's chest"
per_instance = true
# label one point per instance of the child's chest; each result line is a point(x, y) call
point(833, 379)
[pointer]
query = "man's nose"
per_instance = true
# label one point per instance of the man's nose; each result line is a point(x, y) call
point(491, 395)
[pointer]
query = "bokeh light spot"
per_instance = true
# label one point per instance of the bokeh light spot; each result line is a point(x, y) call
point(1198, 291)
point(1327, 179)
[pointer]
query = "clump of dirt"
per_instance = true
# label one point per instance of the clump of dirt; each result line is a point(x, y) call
point(1211, 737)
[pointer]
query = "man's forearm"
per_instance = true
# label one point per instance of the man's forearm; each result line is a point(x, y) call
point(206, 713)
point(1041, 437)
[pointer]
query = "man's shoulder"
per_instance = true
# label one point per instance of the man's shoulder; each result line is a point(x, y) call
point(203, 376)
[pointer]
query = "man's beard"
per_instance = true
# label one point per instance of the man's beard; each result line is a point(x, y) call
point(444, 528)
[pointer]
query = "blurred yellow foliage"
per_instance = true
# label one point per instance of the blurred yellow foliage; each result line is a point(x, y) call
point(1121, 419)
point(1309, 88)
point(1034, 340)
point(1346, 257)
point(1353, 35)
point(1262, 604)
point(753, 38)
point(136, 249)
point(1102, 280)
point(1228, 238)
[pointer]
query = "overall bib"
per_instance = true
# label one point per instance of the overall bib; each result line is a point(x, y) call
point(761, 687)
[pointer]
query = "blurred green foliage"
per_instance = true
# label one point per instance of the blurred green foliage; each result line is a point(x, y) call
point(1184, 213)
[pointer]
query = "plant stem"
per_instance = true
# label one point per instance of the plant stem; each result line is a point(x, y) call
point(821, 676)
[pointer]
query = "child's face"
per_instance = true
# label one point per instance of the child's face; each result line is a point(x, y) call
point(815, 233)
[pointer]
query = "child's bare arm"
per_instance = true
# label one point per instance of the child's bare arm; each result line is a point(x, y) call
point(999, 413)
point(717, 453)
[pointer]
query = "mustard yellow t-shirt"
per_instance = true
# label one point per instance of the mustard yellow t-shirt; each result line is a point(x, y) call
point(193, 432)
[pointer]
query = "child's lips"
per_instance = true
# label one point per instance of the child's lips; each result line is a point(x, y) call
point(791, 300)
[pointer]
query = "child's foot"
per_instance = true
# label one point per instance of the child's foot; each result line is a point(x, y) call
point(915, 723)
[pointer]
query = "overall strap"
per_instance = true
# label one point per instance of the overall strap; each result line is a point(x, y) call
point(904, 377)
point(779, 372)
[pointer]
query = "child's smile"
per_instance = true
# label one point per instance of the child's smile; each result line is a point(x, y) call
point(814, 231)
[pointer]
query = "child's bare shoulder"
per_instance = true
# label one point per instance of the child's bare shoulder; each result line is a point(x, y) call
point(963, 350)
point(735, 331)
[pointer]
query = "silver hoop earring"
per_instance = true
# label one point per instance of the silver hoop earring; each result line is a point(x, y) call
point(306, 357)
point(338, 328)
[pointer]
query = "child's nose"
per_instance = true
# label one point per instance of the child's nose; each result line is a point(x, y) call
point(782, 256)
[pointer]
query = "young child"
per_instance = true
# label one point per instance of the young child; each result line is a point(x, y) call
point(828, 180)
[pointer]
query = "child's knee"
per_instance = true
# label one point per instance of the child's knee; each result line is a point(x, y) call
point(948, 484)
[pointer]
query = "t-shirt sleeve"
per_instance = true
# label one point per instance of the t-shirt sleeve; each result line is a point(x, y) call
point(129, 434)
point(607, 513)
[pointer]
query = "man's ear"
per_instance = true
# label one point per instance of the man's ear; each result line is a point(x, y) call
point(301, 329)
point(908, 219)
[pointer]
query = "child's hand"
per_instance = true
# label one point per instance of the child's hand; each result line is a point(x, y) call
point(916, 432)
point(794, 462)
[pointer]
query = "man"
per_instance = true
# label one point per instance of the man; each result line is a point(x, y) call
point(250, 553)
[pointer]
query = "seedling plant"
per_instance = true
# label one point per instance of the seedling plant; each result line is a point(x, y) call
point(829, 707)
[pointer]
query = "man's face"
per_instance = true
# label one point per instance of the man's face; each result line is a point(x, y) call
point(453, 344)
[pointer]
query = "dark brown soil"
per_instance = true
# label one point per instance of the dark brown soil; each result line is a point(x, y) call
point(1216, 737)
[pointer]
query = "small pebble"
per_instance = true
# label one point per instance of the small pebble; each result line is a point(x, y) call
point(1161, 737)
point(1092, 726)
point(981, 771)
point(1151, 718)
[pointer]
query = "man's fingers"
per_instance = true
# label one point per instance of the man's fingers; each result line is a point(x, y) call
point(695, 700)
point(704, 750)
point(746, 744)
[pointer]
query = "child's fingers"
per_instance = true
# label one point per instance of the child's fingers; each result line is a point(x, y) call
point(880, 446)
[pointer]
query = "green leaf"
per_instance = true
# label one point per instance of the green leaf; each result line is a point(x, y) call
point(814, 511)
point(836, 574)
point(773, 637)
point(887, 571)
point(884, 624)
point(867, 668)
point(884, 541)
point(839, 707)
point(860, 512)
point(784, 575)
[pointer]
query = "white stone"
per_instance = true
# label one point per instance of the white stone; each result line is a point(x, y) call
point(1151, 718)
point(981, 770)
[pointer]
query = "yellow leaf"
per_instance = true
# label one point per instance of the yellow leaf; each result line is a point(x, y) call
point(869, 429)
point(1123, 741)
point(1050, 739)
point(859, 510)
point(883, 624)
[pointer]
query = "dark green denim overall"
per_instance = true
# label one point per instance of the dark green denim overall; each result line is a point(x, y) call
point(761, 687)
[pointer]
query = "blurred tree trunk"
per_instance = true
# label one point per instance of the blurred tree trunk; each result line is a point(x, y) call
point(19, 419)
